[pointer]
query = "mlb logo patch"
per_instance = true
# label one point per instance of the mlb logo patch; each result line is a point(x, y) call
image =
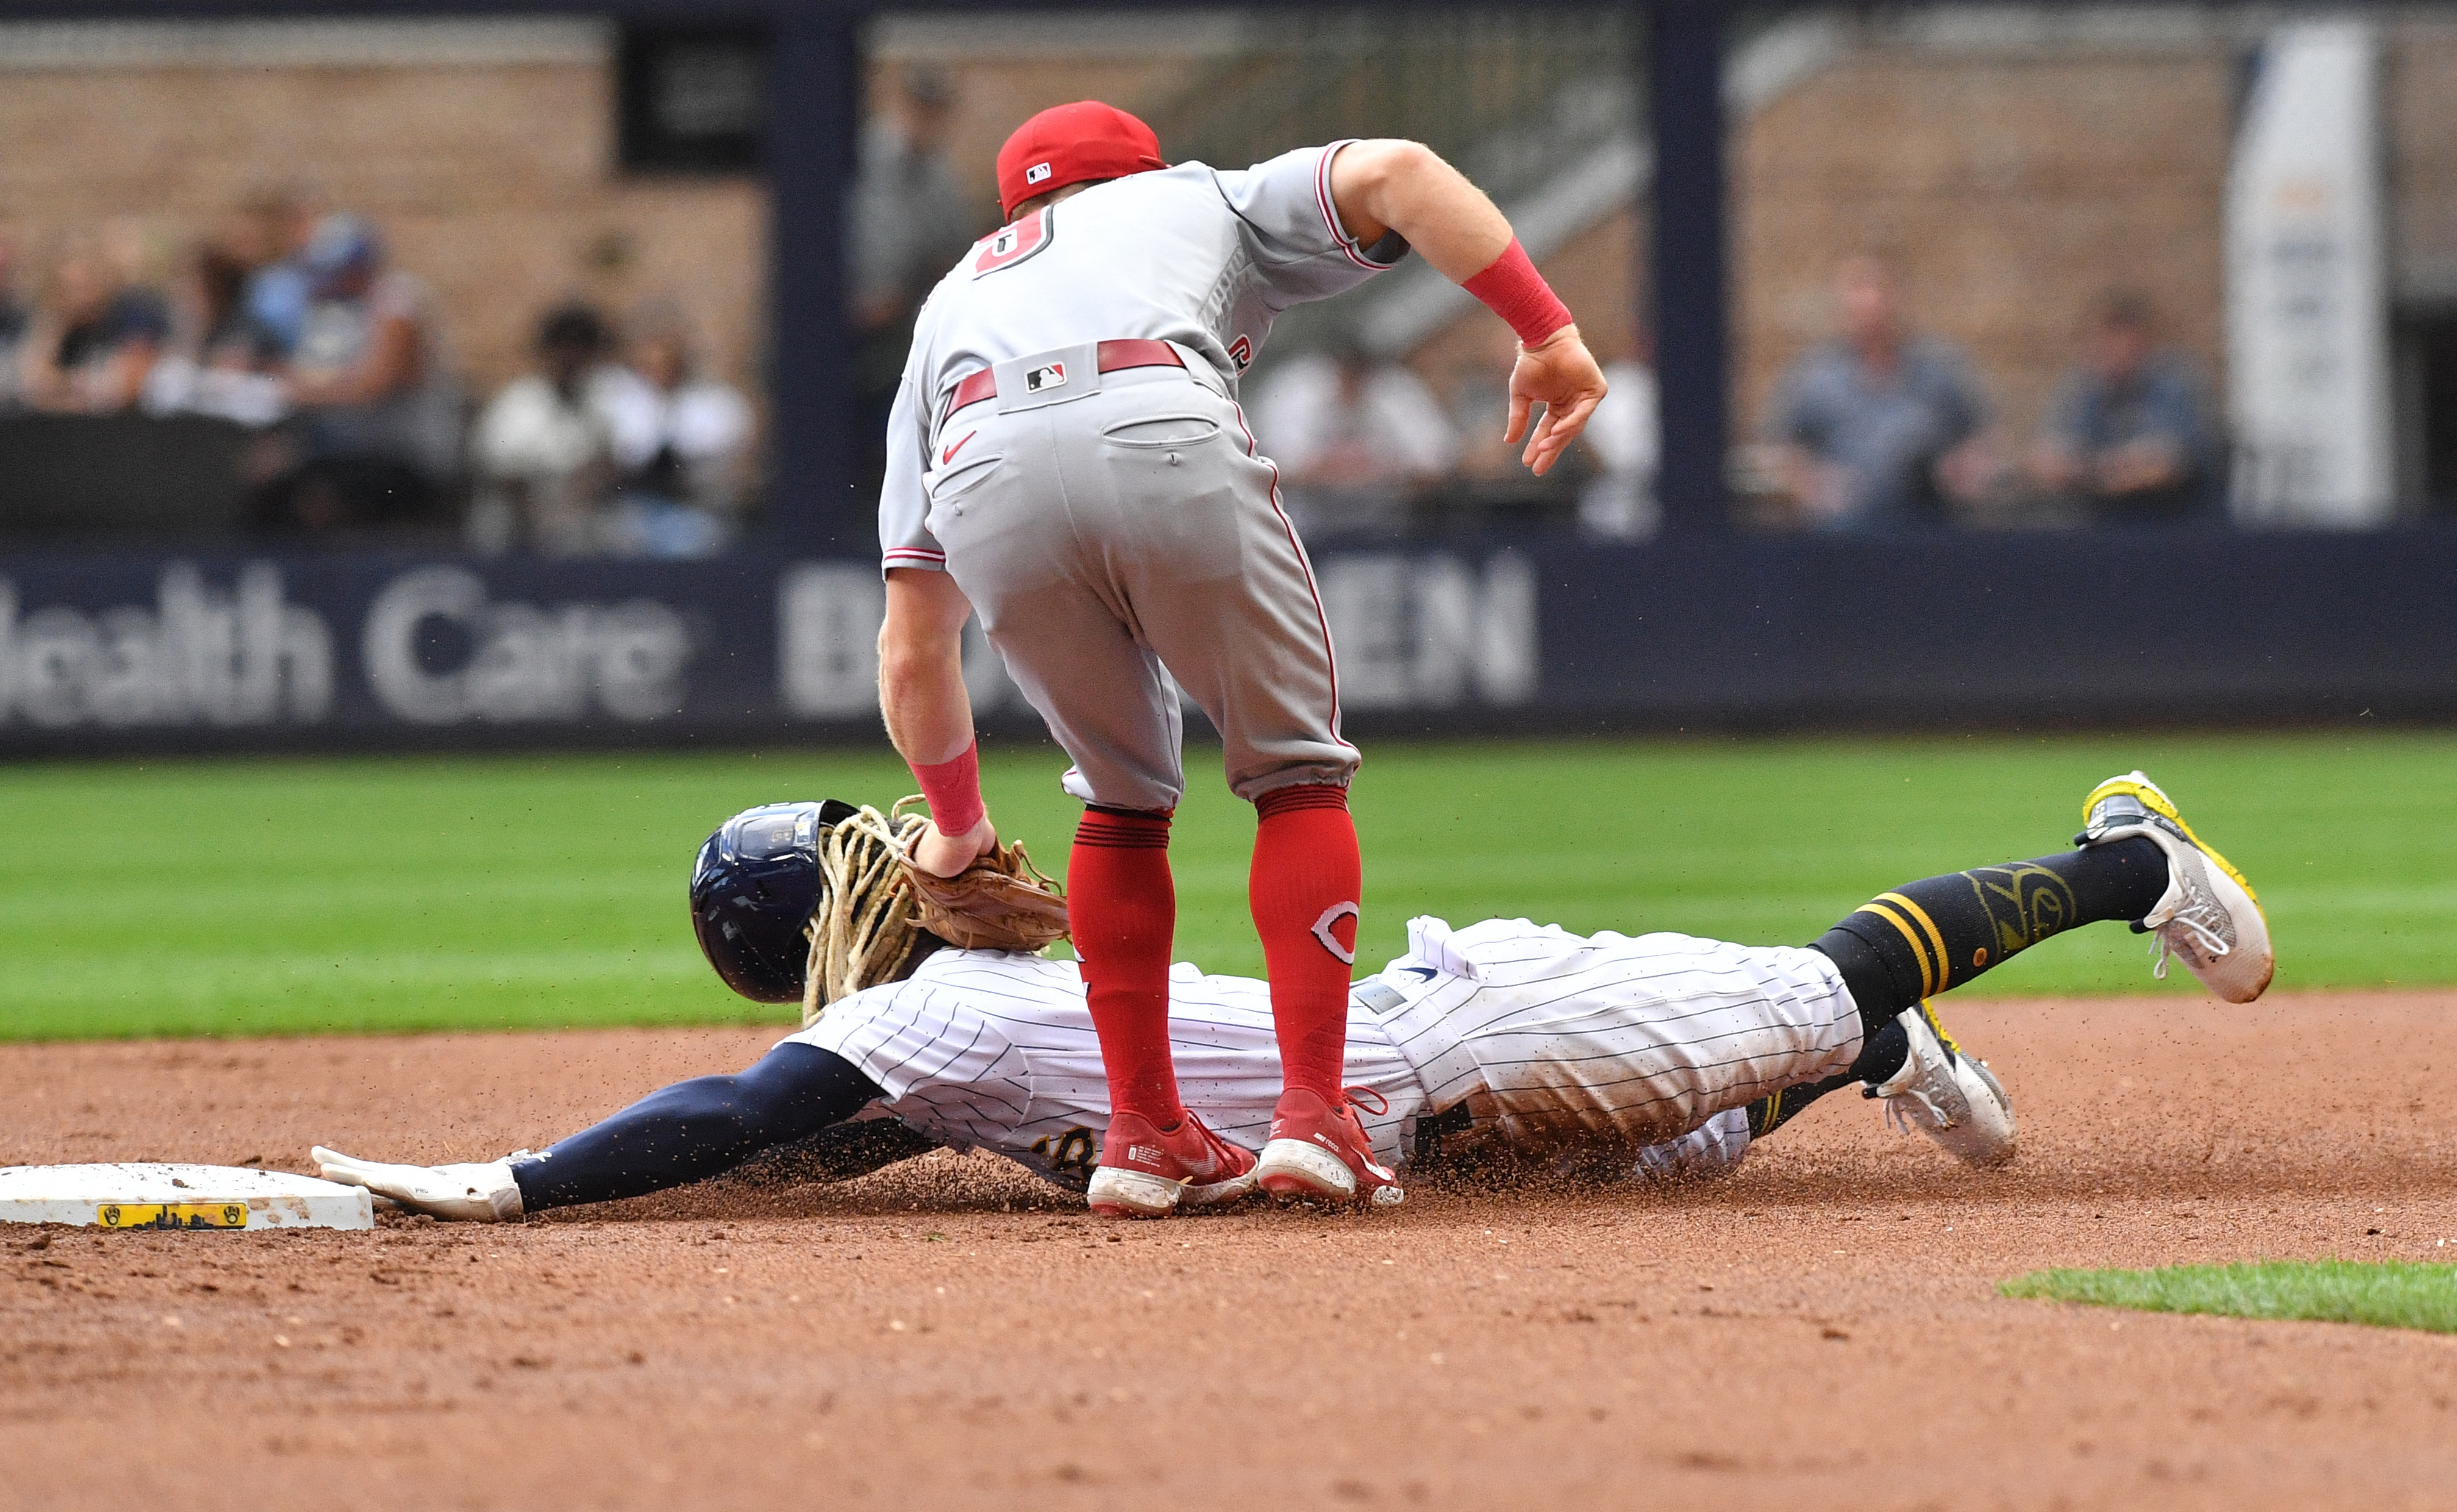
point(1037, 174)
point(1051, 376)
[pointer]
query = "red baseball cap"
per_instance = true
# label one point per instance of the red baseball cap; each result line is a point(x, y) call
point(1068, 144)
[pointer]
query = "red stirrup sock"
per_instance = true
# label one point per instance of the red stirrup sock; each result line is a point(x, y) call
point(1304, 891)
point(1122, 905)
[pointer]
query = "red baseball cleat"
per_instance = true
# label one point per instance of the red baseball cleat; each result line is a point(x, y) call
point(1318, 1149)
point(1145, 1173)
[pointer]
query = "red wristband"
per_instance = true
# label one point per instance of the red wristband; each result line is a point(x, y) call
point(1519, 295)
point(954, 789)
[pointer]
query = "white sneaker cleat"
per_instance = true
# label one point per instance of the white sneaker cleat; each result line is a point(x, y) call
point(2209, 918)
point(1951, 1097)
point(474, 1193)
point(1319, 1151)
point(1708, 1152)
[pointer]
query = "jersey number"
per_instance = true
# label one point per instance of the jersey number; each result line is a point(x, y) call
point(1005, 249)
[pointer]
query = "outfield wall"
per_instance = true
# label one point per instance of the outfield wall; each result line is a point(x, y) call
point(173, 652)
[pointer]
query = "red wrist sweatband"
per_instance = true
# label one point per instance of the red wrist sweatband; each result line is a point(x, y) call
point(1519, 295)
point(954, 789)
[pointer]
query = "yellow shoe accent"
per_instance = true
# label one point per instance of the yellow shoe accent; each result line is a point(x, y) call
point(1928, 1011)
point(2157, 802)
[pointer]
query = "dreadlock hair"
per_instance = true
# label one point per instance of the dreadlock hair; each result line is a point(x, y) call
point(865, 929)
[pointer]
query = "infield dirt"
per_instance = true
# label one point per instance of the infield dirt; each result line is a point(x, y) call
point(1821, 1330)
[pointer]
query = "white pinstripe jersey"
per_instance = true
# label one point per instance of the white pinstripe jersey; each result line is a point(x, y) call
point(1544, 1037)
point(1203, 256)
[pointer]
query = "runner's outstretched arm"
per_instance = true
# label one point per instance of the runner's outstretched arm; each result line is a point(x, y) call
point(676, 1135)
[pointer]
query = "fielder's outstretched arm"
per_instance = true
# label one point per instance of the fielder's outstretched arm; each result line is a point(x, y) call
point(1385, 185)
point(930, 715)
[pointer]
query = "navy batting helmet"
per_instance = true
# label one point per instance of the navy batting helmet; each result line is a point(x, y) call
point(751, 893)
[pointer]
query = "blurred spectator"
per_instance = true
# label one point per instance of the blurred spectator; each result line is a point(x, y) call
point(217, 360)
point(1356, 439)
point(379, 424)
point(1479, 409)
point(1626, 438)
point(271, 236)
point(14, 318)
point(2125, 437)
point(681, 444)
point(1880, 428)
point(542, 447)
point(908, 224)
point(91, 342)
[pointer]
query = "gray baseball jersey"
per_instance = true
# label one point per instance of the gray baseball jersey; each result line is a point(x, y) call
point(1119, 532)
point(1526, 1033)
point(1192, 255)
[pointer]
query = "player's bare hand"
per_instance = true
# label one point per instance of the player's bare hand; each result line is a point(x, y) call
point(944, 855)
point(1562, 375)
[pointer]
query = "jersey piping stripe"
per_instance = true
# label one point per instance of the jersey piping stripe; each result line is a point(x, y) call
point(907, 1028)
point(1559, 1027)
point(914, 553)
point(1747, 990)
point(1484, 1074)
point(1578, 979)
point(1304, 565)
point(1330, 213)
point(914, 1027)
point(1718, 1003)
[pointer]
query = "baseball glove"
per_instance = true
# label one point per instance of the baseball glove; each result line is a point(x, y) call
point(1000, 902)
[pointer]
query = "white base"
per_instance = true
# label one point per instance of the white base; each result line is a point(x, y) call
point(148, 1195)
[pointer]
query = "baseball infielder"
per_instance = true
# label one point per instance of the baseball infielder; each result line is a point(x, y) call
point(1662, 1052)
point(1066, 459)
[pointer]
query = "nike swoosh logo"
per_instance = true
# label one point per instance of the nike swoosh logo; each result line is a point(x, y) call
point(949, 455)
point(1421, 973)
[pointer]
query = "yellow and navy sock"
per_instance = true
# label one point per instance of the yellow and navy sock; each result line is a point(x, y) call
point(1926, 937)
point(1771, 1112)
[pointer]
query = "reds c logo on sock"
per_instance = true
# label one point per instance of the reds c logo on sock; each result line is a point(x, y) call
point(1326, 929)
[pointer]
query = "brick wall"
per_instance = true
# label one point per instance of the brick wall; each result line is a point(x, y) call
point(494, 183)
point(2419, 99)
point(2009, 191)
point(2006, 192)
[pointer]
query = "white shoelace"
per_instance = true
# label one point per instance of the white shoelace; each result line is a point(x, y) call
point(2211, 944)
point(1900, 1122)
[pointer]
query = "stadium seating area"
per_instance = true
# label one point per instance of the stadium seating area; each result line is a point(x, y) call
point(2011, 171)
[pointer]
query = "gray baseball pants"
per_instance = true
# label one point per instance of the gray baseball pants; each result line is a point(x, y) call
point(1119, 530)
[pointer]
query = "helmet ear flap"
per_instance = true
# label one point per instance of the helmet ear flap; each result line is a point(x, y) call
point(752, 888)
point(809, 921)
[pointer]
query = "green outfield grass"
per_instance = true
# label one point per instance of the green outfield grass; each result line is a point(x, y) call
point(2383, 1294)
point(299, 896)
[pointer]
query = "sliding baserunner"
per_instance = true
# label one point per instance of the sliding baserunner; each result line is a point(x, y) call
point(1666, 1050)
